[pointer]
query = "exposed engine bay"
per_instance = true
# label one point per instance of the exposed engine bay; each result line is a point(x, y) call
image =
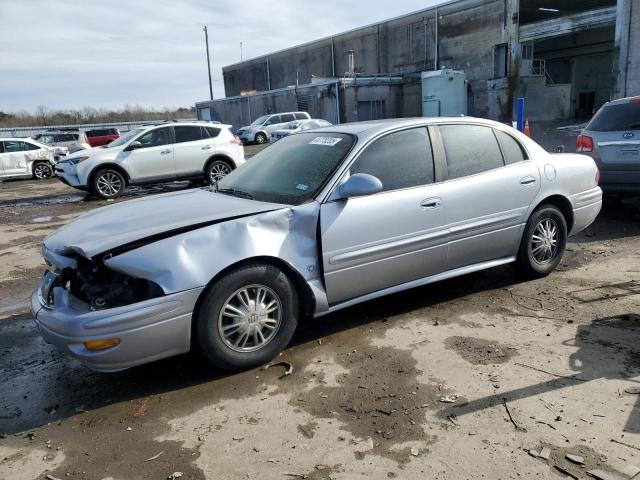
point(102, 288)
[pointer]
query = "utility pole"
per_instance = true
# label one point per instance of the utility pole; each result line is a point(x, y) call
point(206, 40)
point(241, 51)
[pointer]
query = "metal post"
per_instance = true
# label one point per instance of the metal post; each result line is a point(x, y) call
point(333, 58)
point(206, 40)
point(436, 57)
point(338, 102)
point(241, 51)
point(520, 113)
point(268, 74)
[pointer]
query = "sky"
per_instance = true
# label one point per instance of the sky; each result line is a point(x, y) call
point(107, 54)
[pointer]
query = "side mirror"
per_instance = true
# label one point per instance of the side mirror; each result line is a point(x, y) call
point(358, 185)
point(134, 145)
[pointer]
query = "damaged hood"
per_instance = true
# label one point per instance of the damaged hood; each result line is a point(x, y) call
point(110, 227)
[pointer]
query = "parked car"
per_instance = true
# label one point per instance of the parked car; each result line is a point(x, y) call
point(24, 157)
point(612, 139)
point(74, 141)
point(260, 130)
point(98, 137)
point(315, 223)
point(154, 154)
point(298, 126)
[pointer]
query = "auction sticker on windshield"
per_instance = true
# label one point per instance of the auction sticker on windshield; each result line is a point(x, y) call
point(327, 141)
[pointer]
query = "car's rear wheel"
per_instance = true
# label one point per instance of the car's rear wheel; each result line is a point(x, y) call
point(247, 317)
point(543, 242)
point(216, 170)
point(42, 170)
point(261, 138)
point(108, 183)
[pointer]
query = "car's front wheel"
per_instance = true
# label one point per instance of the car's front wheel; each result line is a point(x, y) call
point(247, 317)
point(261, 138)
point(108, 183)
point(543, 242)
point(42, 170)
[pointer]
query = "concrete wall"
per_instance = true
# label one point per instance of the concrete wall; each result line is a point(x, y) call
point(469, 30)
point(627, 59)
point(401, 97)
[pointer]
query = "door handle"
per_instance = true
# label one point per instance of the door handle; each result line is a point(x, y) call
point(429, 203)
point(527, 180)
point(206, 147)
point(164, 152)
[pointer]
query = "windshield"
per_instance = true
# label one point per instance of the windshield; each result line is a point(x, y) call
point(259, 121)
point(614, 118)
point(291, 170)
point(125, 138)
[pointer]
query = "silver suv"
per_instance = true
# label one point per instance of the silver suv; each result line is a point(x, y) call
point(260, 130)
point(154, 154)
point(612, 139)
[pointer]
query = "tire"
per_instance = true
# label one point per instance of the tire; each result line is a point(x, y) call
point(108, 183)
point(216, 170)
point(42, 170)
point(541, 252)
point(261, 138)
point(227, 333)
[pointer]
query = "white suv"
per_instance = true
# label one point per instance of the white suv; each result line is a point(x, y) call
point(154, 154)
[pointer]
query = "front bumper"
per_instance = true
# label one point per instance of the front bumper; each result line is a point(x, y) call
point(67, 173)
point(148, 330)
point(247, 136)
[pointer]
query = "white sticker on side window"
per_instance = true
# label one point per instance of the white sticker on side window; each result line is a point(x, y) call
point(327, 141)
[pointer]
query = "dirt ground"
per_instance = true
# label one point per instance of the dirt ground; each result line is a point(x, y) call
point(464, 379)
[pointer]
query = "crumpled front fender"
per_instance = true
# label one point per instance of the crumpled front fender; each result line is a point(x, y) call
point(191, 259)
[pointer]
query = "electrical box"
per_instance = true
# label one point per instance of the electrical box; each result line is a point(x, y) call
point(444, 93)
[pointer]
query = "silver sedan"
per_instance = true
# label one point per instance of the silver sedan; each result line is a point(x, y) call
point(316, 223)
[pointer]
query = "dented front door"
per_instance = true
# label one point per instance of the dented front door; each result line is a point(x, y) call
point(15, 160)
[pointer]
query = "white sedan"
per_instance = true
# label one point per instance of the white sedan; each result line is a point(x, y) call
point(25, 157)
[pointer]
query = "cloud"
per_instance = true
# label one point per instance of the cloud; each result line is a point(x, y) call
point(75, 53)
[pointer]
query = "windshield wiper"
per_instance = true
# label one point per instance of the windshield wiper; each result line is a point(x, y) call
point(235, 192)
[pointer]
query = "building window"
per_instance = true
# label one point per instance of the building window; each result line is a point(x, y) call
point(500, 61)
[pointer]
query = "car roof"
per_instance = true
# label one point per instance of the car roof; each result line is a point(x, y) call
point(624, 100)
point(16, 139)
point(373, 127)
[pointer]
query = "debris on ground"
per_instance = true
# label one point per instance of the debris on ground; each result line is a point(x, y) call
point(175, 475)
point(632, 390)
point(288, 368)
point(577, 459)
point(517, 427)
point(566, 472)
point(450, 398)
point(157, 455)
point(544, 453)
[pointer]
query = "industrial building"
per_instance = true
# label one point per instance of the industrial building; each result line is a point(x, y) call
point(565, 57)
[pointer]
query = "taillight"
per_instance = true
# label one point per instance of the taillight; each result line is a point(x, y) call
point(584, 143)
point(235, 141)
point(597, 176)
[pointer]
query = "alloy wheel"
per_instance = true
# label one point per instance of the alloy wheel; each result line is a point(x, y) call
point(42, 171)
point(544, 241)
point(218, 171)
point(109, 184)
point(250, 318)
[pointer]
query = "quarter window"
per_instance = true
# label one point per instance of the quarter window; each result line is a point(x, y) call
point(399, 160)
point(188, 134)
point(155, 138)
point(301, 116)
point(287, 117)
point(210, 132)
point(470, 149)
point(512, 151)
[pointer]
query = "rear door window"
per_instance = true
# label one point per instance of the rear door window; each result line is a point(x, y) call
point(399, 160)
point(615, 118)
point(301, 116)
point(188, 133)
point(512, 151)
point(287, 117)
point(11, 146)
point(470, 149)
